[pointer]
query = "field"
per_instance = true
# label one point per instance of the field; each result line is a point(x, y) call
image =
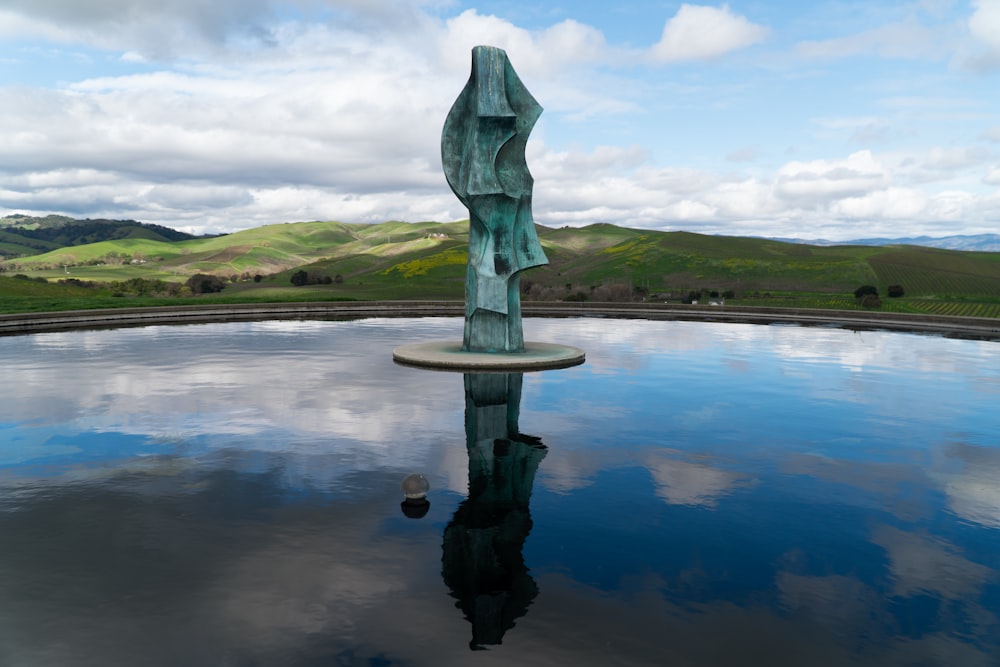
point(396, 260)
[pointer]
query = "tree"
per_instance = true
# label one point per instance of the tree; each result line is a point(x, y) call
point(318, 278)
point(865, 290)
point(895, 291)
point(201, 283)
point(300, 278)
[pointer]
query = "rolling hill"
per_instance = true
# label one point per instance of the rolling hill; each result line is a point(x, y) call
point(28, 235)
point(597, 262)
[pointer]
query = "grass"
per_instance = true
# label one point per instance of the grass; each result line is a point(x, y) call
point(397, 260)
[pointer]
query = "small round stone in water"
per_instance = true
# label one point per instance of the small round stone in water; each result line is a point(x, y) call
point(415, 486)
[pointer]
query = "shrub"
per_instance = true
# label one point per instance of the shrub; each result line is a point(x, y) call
point(301, 277)
point(201, 283)
point(865, 290)
point(895, 291)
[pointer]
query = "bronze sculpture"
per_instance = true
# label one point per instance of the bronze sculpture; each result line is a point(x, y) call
point(482, 150)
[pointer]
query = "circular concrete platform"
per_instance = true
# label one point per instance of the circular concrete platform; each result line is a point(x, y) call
point(450, 356)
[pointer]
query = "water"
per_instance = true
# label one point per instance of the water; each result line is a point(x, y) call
point(695, 494)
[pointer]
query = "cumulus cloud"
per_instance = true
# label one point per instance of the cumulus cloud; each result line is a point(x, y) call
point(186, 28)
point(892, 202)
point(984, 27)
point(822, 180)
point(544, 53)
point(155, 30)
point(307, 109)
point(949, 159)
point(697, 32)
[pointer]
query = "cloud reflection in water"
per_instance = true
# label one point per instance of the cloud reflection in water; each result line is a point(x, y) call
point(710, 494)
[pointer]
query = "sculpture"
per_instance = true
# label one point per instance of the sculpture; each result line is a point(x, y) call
point(482, 151)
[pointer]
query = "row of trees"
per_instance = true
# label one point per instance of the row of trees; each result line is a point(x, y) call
point(302, 277)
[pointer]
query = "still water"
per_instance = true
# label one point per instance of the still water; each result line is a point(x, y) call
point(695, 494)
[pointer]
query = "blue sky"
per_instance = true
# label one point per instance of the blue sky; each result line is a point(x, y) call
point(825, 119)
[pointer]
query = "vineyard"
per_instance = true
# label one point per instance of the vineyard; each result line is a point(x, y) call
point(932, 272)
point(956, 309)
point(988, 307)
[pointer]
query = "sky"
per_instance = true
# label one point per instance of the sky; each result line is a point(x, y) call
point(830, 119)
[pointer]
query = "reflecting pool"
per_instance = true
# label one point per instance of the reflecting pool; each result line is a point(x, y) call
point(694, 494)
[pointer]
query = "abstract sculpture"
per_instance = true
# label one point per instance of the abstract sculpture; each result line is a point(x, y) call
point(482, 150)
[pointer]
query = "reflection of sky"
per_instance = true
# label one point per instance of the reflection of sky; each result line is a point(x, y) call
point(782, 487)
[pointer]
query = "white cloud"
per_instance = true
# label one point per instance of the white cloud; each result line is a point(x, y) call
point(750, 198)
point(906, 39)
point(866, 130)
point(984, 24)
point(543, 54)
point(951, 205)
point(698, 32)
point(188, 28)
point(950, 159)
point(745, 154)
point(890, 203)
point(335, 112)
point(992, 134)
point(822, 180)
point(157, 30)
point(15, 25)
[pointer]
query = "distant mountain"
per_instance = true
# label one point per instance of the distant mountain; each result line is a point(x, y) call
point(971, 242)
point(29, 235)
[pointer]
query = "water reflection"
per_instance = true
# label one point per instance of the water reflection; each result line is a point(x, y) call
point(483, 564)
point(709, 495)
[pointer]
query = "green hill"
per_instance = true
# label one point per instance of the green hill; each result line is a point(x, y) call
point(598, 262)
point(22, 235)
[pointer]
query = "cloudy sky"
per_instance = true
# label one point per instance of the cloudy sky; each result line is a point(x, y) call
point(831, 119)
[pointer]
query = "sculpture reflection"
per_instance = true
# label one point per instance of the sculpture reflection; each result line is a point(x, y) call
point(482, 561)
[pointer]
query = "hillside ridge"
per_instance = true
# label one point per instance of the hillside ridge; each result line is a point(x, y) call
point(600, 262)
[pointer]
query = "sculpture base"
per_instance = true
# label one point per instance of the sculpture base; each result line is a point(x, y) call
point(450, 356)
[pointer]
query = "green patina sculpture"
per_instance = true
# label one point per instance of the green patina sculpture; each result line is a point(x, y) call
point(482, 149)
